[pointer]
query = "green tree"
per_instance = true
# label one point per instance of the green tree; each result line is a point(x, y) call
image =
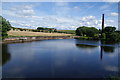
point(88, 31)
point(40, 29)
point(114, 37)
point(91, 31)
point(81, 31)
point(109, 29)
point(4, 27)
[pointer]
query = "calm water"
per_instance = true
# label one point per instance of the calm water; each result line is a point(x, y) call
point(65, 58)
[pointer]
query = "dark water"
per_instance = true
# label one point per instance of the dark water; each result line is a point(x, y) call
point(65, 58)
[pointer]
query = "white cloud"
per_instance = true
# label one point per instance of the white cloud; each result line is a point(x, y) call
point(58, 22)
point(113, 14)
point(76, 7)
point(86, 18)
point(24, 10)
point(61, 3)
point(104, 7)
point(25, 17)
point(110, 21)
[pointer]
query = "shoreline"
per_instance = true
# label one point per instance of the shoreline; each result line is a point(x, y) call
point(35, 38)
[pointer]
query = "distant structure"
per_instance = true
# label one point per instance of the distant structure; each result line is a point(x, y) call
point(102, 31)
point(102, 22)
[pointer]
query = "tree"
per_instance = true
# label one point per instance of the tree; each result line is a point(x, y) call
point(40, 28)
point(81, 31)
point(4, 27)
point(88, 31)
point(91, 31)
point(114, 37)
point(109, 29)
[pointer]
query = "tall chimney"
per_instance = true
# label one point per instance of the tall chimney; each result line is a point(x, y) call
point(102, 22)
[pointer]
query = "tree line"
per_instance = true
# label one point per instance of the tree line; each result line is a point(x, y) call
point(39, 29)
point(108, 33)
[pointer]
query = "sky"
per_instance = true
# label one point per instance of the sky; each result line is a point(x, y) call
point(60, 15)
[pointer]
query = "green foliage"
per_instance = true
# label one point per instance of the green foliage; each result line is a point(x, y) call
point(117, 31)
point(67, 31)
point(109, 29)
point(114, 36)
point(42, 29)
point(81, 31)
point(103, 36)
point(4, 27)
point(91, 33)
point(87, 31)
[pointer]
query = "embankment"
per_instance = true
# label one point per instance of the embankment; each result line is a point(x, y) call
point(28, 39)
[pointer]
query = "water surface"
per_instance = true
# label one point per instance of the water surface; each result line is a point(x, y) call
point(65, 58)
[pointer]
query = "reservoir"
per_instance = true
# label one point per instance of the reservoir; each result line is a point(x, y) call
point(60, 58)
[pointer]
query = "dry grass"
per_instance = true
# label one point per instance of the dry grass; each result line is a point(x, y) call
point(27, 33)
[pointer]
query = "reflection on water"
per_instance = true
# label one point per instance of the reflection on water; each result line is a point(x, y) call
point(5, 54)
point(85, 46)
point(66, 58)
point(106, 49)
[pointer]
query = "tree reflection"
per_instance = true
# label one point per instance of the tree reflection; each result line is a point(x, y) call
point(108, 49)
point(103, 49)
point(85, 46)
point(5, 54)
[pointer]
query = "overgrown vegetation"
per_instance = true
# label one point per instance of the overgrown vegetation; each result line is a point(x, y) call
point(4, 27)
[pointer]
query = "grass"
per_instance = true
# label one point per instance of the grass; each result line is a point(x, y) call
point(31, 34)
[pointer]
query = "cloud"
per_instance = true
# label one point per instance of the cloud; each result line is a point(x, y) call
point(61, 4)
point(27, 17)
point(107, 5)
point(24, 10)
point(58, 22)
point(113, 14)
point(86, 18)
point(110, 21)
point(76, 7)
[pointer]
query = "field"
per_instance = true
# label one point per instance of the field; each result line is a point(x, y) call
point(28, 33)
